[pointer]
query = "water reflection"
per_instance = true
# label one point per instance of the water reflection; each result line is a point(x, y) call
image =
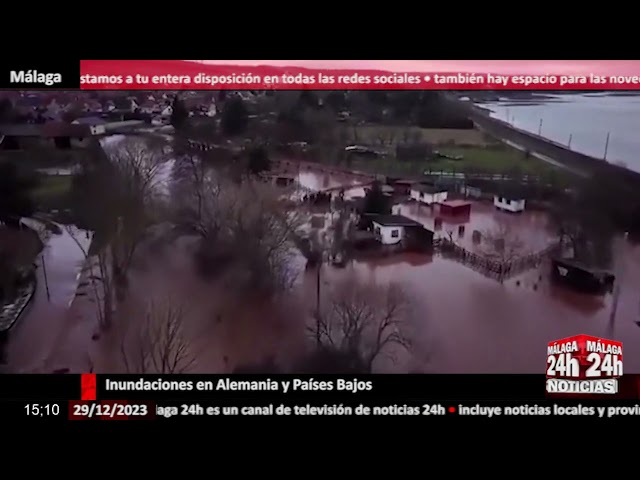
point(36, 334)
point(476, 325)
point(464, 322)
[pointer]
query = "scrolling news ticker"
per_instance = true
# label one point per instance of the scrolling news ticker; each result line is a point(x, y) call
point(76, 74)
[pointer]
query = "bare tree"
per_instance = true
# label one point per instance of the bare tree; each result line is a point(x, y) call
point(98, 275)
point(585, 232)
point(416, 136)
point(190, 175)
point(406, 135)
point(502, 243)
point(158, 344)
point(321, 124)
point(355, 134)
point(137, 189)
point(116, 196)
point(365, 322)
point(249, 227)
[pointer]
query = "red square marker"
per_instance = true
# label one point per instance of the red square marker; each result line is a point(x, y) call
point(88, 385)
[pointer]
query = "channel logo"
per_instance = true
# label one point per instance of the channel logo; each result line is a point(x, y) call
point(584, 365)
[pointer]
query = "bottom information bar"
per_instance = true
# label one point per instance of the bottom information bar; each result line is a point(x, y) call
point(148, 410)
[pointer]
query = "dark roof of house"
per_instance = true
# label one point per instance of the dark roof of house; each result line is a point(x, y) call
point(427, 188)
point(90, 121)
point(574, 264)
point(21, 130)
point(51, 129)
point(510, 196)
point(455, 203)
point(63, 129)
point(395, 221)
point(475, 184)
point(402, 181)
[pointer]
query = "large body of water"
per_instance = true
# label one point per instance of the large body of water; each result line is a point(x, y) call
point(467, 323)
point(462, 321)
point(584, 120)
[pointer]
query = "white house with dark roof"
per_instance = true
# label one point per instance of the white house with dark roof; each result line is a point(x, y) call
point(509, 203)
point(428, 194)
point(392, 229)
point(96, 124)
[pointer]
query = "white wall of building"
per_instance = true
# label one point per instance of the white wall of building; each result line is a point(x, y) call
point(508, 205)
point(429, 198)
point(388, 235)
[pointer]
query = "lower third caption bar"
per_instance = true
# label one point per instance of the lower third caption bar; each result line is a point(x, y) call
point(126, 410)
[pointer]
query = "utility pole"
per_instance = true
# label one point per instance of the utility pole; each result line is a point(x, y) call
point(569, 144)
point(606, 146)
point(318, 284)
point(318, 317)
point(44, 274)
point(616, 290)
point(614, 309)
point(540, 128)
point(318, 281)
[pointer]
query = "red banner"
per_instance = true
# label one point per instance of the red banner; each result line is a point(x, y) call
point(214, 75)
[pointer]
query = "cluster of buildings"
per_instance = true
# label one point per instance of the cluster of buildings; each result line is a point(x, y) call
point(71, 119)
point(393, 229)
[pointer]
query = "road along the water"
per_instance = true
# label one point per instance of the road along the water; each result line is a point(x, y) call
point(35, 336)
point(575, 161)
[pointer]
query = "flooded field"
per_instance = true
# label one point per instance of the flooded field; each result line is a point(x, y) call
point(37, 333)
point(529, 229)
point(466, 323)
point(461, 321)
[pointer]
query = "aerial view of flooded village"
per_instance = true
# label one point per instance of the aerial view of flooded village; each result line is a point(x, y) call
point(315, 232)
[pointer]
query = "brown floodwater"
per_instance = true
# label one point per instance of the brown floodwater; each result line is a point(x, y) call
point(461, 322)
point(467, 323)
point(37, 331)
point(527, 232)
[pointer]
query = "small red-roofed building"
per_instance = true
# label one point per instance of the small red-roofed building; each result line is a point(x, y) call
point(455, 208)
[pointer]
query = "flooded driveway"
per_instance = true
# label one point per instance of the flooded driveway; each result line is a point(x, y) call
point(529, 229)
point(35, 336)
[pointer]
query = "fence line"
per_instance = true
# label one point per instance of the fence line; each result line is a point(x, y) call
point(496, 269)
point(488, 176)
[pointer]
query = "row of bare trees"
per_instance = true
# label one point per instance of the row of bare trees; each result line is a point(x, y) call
point(117, 197)
point(244, 233)
point(363, 324)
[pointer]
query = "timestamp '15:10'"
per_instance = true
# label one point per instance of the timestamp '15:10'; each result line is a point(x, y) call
point(42, 410)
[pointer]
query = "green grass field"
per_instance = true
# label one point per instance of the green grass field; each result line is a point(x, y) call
point(52, 191)
point(389, 135)
point(499, 160)
point(52, 185)
point(21, 246)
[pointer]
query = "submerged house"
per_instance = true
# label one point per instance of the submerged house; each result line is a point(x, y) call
point(469, 189)
point(401, 186)
point(455, 208)
point(397, 229)
point(580, 277)
point(428, 194)
point(279, 179)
